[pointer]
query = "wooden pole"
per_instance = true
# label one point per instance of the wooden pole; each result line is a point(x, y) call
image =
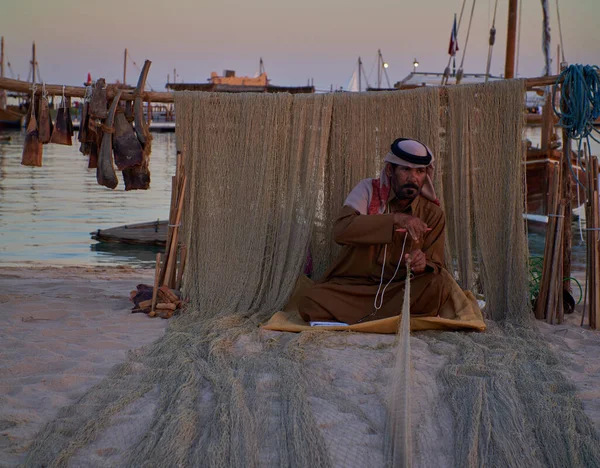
point(359, 74)
point(553, 197)
point(125, 68)
point(2, 57)
point(155, 288)
point(172, 260)
point(596, 253)
point(547, 124)
point(79, 91)
point(567, 195)
point(509, 65)
point(555, 289)
point(33, 62)
point(379, 66)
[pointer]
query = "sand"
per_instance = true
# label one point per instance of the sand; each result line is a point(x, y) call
point(63, 329)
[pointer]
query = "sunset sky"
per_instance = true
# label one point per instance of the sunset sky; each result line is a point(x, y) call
point(319, 39)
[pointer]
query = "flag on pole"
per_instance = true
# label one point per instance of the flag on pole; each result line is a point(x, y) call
point(453, 47)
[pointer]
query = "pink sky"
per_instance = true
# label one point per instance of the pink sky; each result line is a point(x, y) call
point(319, 39)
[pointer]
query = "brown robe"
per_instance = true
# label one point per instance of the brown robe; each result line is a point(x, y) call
point(348, 289)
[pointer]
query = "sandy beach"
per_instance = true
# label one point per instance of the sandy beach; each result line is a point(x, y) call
point(63, 329)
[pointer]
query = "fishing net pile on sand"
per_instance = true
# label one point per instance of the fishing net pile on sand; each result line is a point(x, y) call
point(267, 174)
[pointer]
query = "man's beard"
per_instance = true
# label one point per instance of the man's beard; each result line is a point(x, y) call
point(407, 192)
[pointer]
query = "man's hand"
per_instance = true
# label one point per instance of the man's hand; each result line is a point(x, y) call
point(415, 227)
point(417, 260)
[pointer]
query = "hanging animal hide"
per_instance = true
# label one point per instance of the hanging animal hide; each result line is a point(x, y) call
point(45, 126)
point(70, 128)
point(83, 125)
point(127, 148)
point(98, 102)
point(137, 177)
point(32, 148)
point(105, 172)
point(61, 134)
point(93, 152)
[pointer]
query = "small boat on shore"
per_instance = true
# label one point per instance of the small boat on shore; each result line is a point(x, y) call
point(152, 233)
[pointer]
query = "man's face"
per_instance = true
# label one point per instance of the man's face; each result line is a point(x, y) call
point(406, 181)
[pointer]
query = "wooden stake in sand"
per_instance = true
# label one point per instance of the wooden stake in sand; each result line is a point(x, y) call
point(155, 288)
point(168, 275)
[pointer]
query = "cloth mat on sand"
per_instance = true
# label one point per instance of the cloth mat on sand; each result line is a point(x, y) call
point(289, 319)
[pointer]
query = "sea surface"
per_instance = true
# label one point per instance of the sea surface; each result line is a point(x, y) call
point(48, 213)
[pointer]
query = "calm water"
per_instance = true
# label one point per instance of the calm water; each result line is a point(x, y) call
point(47, 213)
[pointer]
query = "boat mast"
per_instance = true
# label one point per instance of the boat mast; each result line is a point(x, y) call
point(125, 68)
point(509, 65)
point(359, 74)
point(33, 62)
point(379, 67)
point(2, 57)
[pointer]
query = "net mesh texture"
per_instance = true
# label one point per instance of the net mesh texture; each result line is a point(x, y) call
point(267, 175)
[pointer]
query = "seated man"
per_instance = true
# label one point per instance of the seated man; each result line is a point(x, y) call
point(385, 222)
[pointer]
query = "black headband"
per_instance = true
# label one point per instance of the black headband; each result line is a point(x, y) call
point(411, 158)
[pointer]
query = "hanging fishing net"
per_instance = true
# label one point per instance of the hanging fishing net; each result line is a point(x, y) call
point(267, 174)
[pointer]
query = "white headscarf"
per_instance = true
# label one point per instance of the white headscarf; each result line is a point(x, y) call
point(370, 196)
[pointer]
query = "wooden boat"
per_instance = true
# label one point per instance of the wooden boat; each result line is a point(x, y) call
point(11, 119)
point(152, 233)
point(538, 172)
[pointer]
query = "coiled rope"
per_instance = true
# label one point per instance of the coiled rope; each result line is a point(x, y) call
point(579, 101)
point(579, 106)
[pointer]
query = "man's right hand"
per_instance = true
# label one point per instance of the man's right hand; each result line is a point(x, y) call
point(413, 225)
